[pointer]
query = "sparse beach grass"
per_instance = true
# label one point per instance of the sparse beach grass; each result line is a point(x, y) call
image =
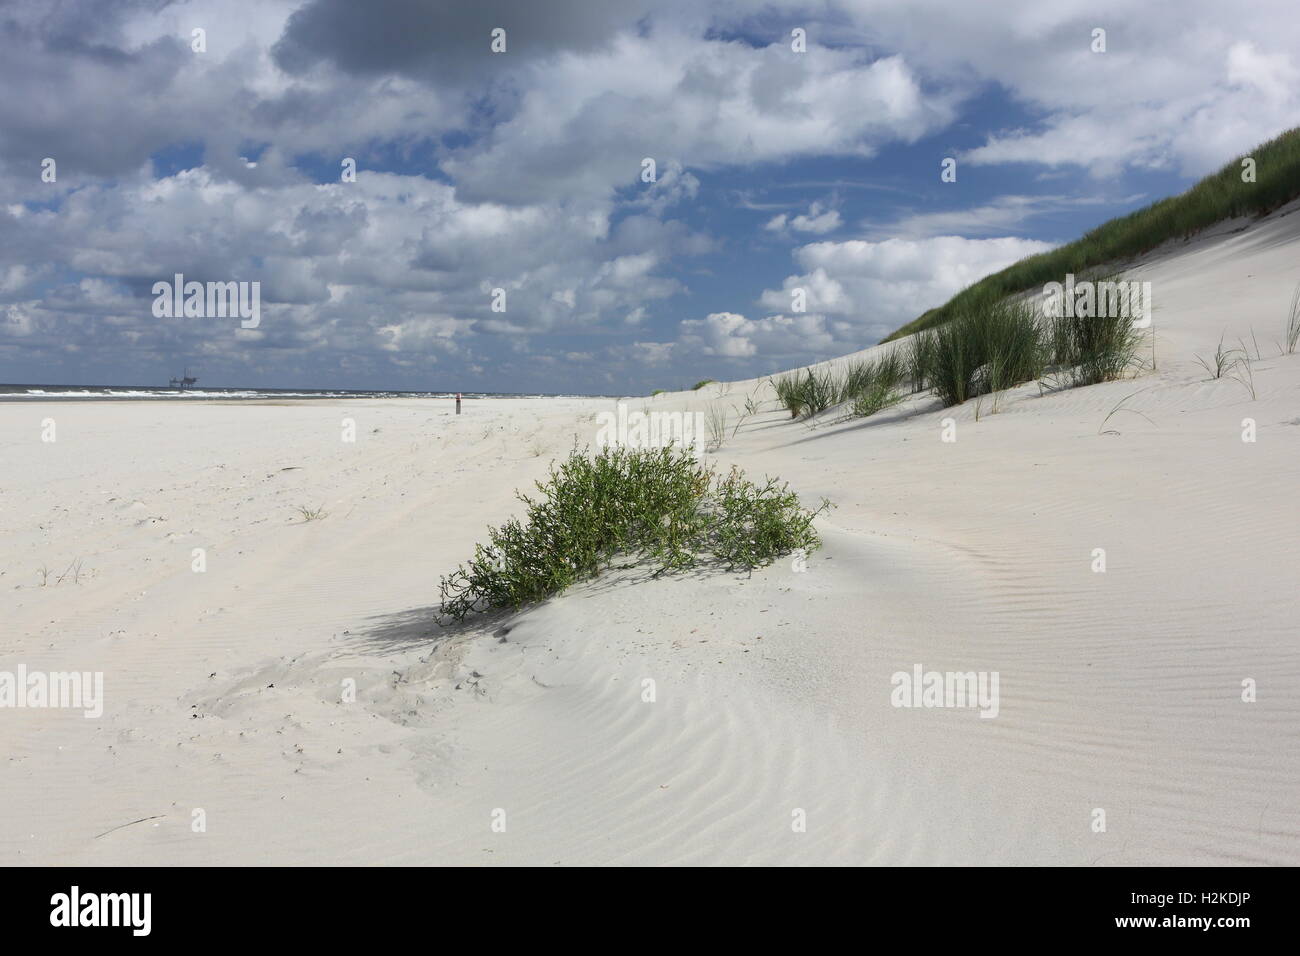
point(716, 421)
point(312, 514)
point(1293, 322)
point(1222, 362)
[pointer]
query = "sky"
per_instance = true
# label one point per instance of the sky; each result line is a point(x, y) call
point(630, 195)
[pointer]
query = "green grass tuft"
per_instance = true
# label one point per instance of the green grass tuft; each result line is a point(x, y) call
point(807, 393)
point(1087, 351)
point(870, 385)
point(920, 360)
point(880, 395)
point(989, 347)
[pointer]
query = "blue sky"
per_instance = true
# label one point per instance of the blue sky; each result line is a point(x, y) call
point(776, 170)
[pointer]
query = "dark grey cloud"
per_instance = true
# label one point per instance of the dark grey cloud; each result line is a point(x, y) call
point(95, 107)
point(445, 39)
point(100, 86)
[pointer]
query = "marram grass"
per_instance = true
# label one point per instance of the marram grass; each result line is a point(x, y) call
point(991, 345)
point(865, 387)
point(808, 392)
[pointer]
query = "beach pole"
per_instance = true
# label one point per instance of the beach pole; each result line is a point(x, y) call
point(458, 403)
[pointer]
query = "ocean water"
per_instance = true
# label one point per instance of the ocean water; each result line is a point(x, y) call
point(24, 393)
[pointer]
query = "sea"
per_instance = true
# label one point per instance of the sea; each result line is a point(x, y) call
point(37, 393)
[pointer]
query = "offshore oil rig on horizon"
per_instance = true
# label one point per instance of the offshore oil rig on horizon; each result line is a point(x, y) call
point(184, 381)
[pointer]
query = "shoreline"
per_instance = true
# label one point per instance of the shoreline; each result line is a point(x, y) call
point(255, 395)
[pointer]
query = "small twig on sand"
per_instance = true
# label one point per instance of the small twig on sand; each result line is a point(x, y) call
point(156, 816)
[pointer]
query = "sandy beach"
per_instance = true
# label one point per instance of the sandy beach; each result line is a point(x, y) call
point(286, 685)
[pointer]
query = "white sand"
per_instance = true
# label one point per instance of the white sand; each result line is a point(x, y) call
point(1120, 691)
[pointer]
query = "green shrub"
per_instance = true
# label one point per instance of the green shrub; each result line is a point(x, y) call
point(659, 506)
point(701, 383)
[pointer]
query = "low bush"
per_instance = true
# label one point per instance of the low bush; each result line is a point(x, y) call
point(658, 506)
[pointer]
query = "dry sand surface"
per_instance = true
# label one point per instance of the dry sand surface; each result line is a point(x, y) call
point(1120, 691)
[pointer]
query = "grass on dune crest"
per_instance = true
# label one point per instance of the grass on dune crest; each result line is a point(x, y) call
point(1220, 196)
point(657, 506)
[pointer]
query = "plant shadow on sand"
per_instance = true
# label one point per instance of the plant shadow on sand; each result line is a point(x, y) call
point(418, 629)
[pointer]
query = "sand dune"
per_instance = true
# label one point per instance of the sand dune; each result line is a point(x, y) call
point(1122, 691)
